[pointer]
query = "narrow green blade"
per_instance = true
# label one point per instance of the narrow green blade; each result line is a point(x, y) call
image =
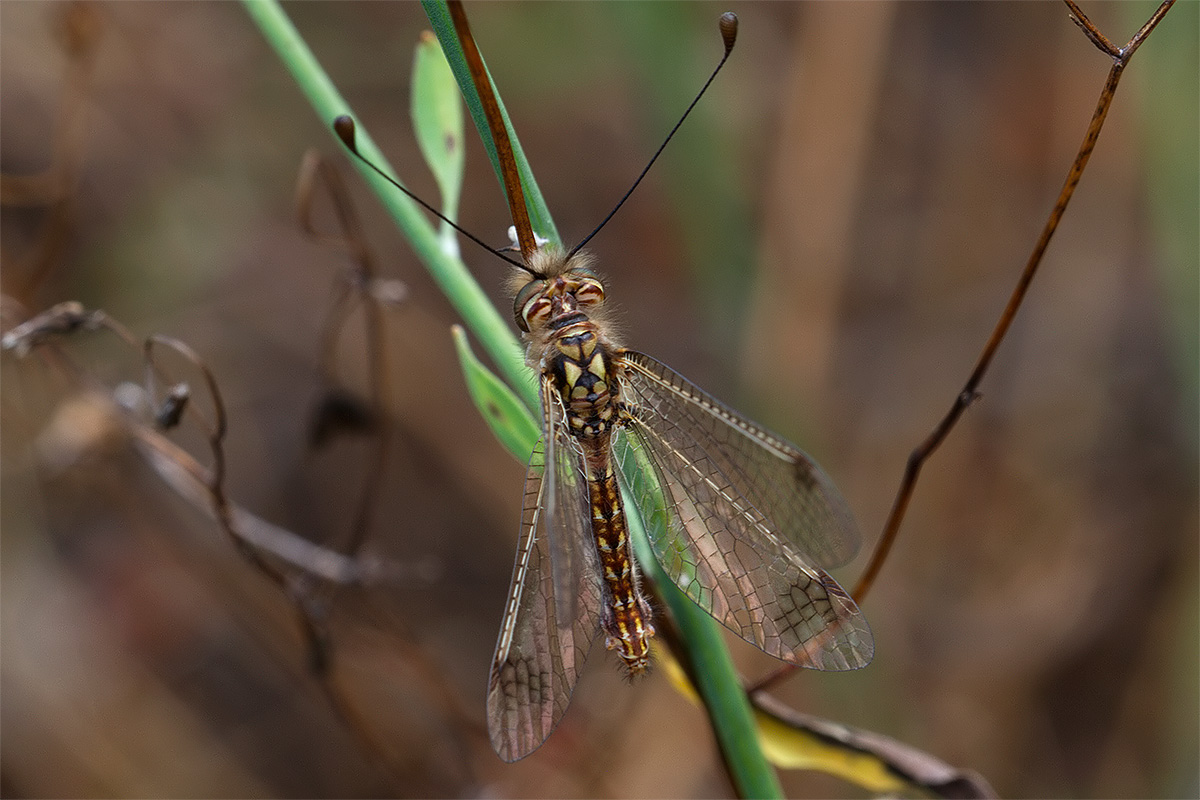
point(504, 413)
point(438, 122)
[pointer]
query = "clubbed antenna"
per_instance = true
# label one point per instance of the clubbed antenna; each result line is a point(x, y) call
point(344, 127)
point(728, 25)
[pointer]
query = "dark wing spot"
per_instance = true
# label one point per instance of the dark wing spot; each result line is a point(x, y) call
point(804, 474)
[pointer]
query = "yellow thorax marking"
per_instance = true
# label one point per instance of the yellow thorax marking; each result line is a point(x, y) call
point(572, 351)
point(573, 372)
point(596, 366)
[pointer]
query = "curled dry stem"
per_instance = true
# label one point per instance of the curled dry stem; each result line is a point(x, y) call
point(357, 287)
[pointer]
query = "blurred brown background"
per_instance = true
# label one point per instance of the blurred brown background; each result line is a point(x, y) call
point(826, 245)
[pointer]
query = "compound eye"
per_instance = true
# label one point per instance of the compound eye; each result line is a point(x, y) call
point(531, 306)
point(590, 292)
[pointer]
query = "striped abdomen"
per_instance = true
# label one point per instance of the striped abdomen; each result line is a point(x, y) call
point(627, 619)
point(582, 369)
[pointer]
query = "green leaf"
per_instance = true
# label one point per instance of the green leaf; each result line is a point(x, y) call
point(539, 213)
point(438, 123)
point(493, 329)
point(500, 408)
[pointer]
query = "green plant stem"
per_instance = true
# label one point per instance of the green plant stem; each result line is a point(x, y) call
point(716, 678)
point(492, 329)
point(443, 28)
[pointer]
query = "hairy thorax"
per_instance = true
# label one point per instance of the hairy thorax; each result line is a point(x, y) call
point(581, 366)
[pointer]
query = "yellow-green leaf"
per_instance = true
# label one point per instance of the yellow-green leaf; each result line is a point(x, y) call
point(438, 120)
point(504, 413)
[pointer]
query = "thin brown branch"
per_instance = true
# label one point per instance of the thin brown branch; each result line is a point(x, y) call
point(970, 390)
point(70, 317)
point(292, 586)
point(504, 150)
point(1122, 54)
point(380, 392)
point(360, 285)
point(59, 320)
point(770, 679)
point(312, 168)
point(1131, 47)
point(192, 481)
point(1091, 31)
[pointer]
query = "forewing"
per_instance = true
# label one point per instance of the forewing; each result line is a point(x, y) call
point(684, 463)
point(545, 636)
point(566, 515)
point(778, 478)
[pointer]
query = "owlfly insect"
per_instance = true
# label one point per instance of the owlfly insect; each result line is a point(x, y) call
point(742, 521)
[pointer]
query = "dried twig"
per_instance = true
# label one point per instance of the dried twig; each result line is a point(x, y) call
point(194, 482)
point(358, 286)
point(970, 392)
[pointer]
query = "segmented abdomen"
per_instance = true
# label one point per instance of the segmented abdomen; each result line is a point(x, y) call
point(582, 368)
point(626, 621)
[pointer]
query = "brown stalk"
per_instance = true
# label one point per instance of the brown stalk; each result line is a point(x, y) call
point(359, 284)
point(504, 150)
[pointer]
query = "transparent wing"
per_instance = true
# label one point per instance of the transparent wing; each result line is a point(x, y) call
point(553, 610)
point(695, 470)
point(566, 512)
point(778, 479)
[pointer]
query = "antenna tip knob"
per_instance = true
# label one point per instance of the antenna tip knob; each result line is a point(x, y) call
point(728, 25)
point(343, 126)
